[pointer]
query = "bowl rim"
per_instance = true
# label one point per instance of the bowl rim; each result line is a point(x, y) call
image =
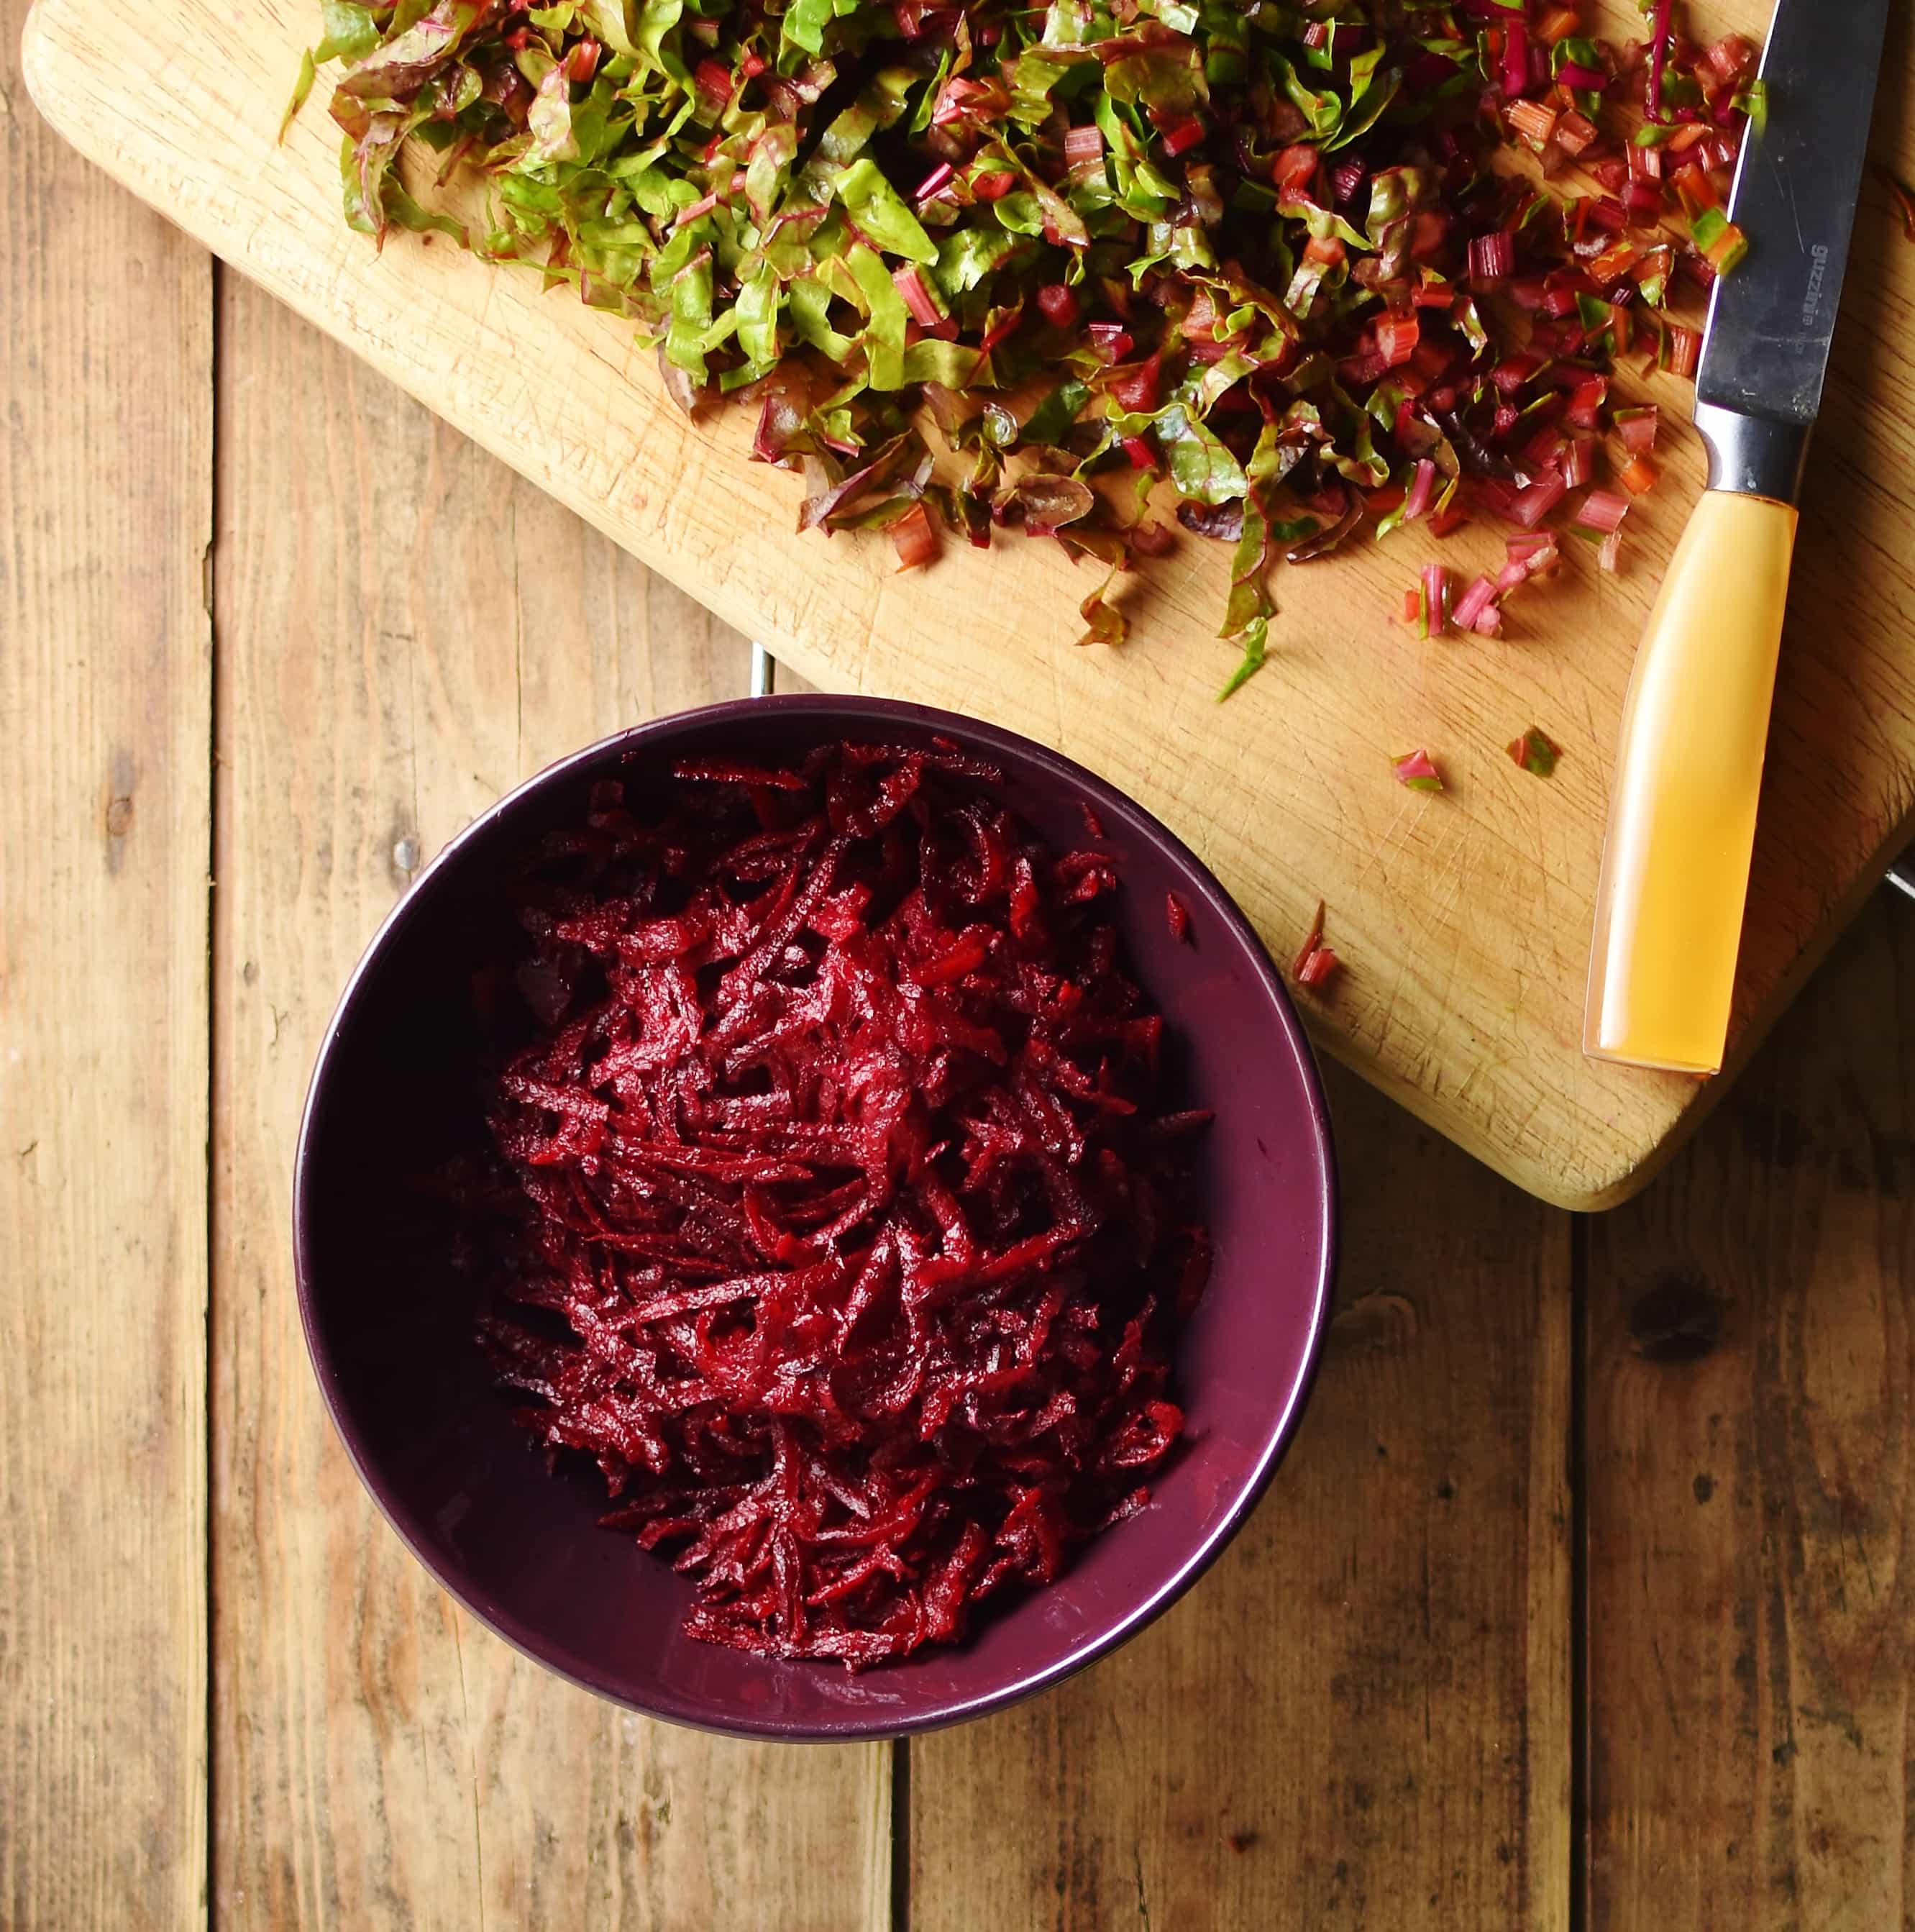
point(1112, 805)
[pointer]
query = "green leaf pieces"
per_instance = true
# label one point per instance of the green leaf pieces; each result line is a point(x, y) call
point(1062, 268)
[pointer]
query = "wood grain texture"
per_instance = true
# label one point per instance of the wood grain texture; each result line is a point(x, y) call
point(1463, 921)
point(1360, 1717)
point(405, 631)
point(106, 711)
point(1751, 1457)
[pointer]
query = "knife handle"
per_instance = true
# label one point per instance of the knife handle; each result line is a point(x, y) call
point(1681, 813)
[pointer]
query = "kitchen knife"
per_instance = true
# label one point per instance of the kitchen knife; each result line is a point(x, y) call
point(1681, 813)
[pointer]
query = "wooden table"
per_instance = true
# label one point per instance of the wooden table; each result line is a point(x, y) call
point(1585, 1599)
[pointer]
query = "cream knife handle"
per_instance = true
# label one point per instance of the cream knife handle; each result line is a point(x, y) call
point(1682, 813)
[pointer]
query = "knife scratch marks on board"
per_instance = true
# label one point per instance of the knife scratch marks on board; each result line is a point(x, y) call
point(1451, 876)
point(1453, 952)
point(1396, 837)
point(1380, 1030)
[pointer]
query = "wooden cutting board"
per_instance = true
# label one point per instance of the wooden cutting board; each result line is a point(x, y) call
point(1463, 920)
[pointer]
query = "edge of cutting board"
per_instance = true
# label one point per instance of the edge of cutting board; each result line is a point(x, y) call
point(1634, 1159)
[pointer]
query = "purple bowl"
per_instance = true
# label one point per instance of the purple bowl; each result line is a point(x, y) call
point(389, 1321)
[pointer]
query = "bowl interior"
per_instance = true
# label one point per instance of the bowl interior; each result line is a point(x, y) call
point(389, 1320)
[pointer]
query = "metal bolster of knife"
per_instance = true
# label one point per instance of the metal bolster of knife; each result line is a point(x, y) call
point(1753, 455)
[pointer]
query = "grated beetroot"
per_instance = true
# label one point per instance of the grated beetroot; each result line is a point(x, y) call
point(836, 1212)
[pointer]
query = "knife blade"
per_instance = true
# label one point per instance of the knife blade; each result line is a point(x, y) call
point(1674, 885)
point(1772, 321)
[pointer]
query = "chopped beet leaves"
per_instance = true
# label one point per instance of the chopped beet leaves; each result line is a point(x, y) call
point(1310, 271)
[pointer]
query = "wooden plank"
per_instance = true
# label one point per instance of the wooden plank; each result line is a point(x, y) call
point(405, 631)
point(1462, 921)
point(106, 511)
point(1751, 1455)
point(1360, 1717)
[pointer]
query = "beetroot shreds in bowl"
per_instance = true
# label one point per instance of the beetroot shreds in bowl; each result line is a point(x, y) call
point(839, 1153)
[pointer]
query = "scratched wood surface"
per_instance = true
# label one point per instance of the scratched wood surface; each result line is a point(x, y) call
point(1463, 921)
point(106, 511)
point(1362, 1717)
point(405, 630)
point(1750, 1468)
